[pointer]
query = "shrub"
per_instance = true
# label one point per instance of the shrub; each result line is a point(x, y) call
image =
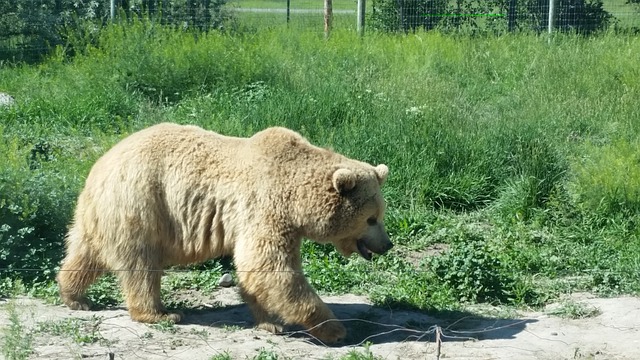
point(30, 29)
point(36, 202)
point(473, 270)
point(405, 15)
point(580, 16)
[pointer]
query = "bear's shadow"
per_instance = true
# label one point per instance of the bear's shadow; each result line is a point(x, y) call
point(376, 325)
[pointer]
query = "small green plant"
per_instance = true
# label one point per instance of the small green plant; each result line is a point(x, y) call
point(365, 354)
point(176, 343)
point(80, 330)
point(203, 333)
point(265, 354)
point(574, 310)
point(18, 341)
point(105, 292)
point(231, 328)
point(10, 287)
point(166, 326)
point(224, 356)
point(203, 277)
point(472, 270)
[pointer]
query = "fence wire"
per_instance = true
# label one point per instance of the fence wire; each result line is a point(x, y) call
point(30, 28)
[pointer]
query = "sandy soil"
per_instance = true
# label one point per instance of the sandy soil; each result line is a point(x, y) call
point(227, 327)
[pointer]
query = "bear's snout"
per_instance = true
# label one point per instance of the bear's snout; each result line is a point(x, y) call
point(387, 247)
point(380, 245)
point(376, 239)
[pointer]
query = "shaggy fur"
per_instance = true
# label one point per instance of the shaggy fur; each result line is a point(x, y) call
point(172, 194)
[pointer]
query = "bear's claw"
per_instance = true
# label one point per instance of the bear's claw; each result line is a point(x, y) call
point(80, 304)
point(272, 328)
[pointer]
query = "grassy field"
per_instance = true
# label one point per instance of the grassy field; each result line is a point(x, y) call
point(514, 162)
point(626, 15)
point(305, 14)
point(303, 22)
point(294, 4)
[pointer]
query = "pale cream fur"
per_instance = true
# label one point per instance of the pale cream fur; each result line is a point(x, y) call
point(173, 194)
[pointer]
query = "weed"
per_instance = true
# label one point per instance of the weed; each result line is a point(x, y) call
point(17, 343)
point(265, 354)
point(80, 330)
point(224, 356)
point(231, 328)
point(105, 292)
point(10, 287)
point(166, 326)
point(202, 333)
point(366, 354)
point(472, 270)
point(176, 343)
point(574, 310)
point(203, 277)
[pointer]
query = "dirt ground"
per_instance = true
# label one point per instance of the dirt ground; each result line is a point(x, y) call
point(227, 328)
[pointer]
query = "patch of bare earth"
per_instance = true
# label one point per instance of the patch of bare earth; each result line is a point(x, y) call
point(416, 257)
point(227, 327)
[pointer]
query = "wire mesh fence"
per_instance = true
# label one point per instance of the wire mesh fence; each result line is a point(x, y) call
point(30, 28)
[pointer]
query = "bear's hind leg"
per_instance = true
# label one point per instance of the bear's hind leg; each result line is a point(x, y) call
point(142, 293)
point(79, 270)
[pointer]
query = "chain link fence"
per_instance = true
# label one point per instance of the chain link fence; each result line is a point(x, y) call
point(30, 28)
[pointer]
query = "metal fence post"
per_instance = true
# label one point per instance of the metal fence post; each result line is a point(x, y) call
point(361, 12)
point(552, 15)
point(112, 8)
point(512, 15)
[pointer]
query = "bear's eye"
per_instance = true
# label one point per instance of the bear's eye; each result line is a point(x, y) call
point(372, 221)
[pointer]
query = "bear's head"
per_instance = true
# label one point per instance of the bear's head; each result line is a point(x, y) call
point(353, 211)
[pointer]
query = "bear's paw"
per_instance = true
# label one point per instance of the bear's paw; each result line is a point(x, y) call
point(330, 332)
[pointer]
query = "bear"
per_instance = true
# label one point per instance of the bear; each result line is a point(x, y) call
point(179, 194)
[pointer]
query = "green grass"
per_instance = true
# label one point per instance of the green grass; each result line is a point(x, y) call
point(17, 342)
point(294, 4)
point(80, 331)
point(570, 309)
point(165, 326)
point(517, 154)
point(223, 356)
point(626, 14)
point(304, 21)
point(365, 354)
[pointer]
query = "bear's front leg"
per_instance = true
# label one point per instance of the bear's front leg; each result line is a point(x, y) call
point(275, 290)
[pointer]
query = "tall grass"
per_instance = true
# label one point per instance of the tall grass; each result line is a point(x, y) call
point(536, 141)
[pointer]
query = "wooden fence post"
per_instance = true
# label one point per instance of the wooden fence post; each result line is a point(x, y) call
point(328, 17)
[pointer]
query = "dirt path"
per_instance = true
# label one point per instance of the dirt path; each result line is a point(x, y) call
point(59, 333)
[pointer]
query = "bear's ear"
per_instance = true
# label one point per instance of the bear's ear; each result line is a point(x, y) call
point(344, 180)
point(382, 171)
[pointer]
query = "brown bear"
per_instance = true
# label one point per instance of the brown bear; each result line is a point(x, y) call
point(173, 194)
